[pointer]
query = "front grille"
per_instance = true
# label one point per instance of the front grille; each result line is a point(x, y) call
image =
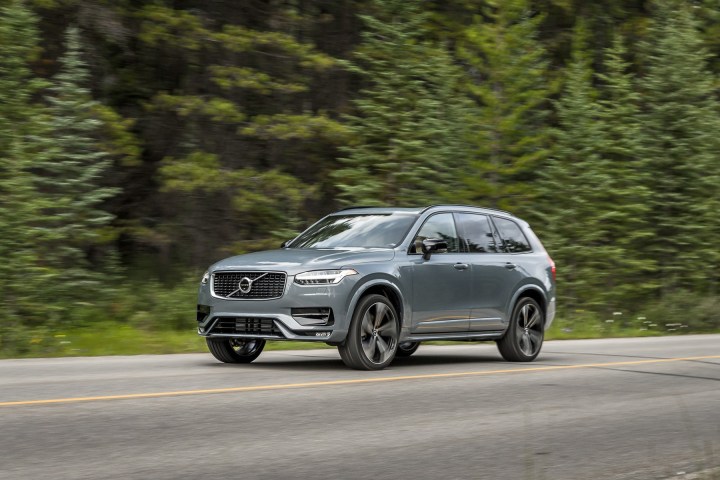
point(246, 326)
point(249, 285)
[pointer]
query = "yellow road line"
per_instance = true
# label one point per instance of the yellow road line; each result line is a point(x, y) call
point(285, 386)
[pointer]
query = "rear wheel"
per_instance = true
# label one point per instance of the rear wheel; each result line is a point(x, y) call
point(373, 336)
point(235, 350)
point(524, 337)
point(405, 349)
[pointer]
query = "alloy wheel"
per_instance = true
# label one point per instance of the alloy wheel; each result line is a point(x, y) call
point(529, 330)
point(378, 333)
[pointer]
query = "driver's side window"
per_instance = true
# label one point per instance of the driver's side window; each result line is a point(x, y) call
point(441, 226)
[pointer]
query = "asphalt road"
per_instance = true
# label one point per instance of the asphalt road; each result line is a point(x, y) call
point(593, 409)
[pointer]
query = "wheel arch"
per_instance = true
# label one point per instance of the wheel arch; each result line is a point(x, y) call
point(536, 293)
point(385, 288)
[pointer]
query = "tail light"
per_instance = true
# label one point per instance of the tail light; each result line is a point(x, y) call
point(552, 266)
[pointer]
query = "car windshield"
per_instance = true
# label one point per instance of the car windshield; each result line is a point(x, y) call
point(372, 230)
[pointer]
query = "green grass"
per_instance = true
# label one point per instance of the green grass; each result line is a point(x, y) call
point(113, 338)
point(592, 330)
point(108, 338)
point(145, 316)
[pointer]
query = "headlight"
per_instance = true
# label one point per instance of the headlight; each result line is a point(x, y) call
point(205, 278)
point(323, 277)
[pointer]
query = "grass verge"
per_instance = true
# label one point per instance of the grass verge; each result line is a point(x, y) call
point(112, 338)
point(109, 338)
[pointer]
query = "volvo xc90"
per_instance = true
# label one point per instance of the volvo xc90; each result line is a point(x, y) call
point(376, 282)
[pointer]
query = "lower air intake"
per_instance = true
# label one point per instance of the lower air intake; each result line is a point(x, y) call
point(246, 326)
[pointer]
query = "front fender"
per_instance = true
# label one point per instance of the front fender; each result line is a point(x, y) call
point(386, 281)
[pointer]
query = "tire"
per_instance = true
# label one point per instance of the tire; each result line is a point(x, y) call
point(372, 339)
point(235, 350)
point(405, 349)
point(524, 337)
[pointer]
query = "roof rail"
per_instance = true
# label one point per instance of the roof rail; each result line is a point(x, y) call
point(353, 207)
point(463, 205)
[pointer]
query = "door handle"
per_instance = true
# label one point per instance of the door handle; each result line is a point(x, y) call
point(510, 266)
point(461, 266)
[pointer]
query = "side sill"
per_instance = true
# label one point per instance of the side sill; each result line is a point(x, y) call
point(420, 337)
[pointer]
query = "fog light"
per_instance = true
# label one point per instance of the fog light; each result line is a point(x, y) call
point(313, 316)
point(202, 312)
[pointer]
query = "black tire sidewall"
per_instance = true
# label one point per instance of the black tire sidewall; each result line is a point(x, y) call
point(222, 349)
point(508, 346)
point(352, 352)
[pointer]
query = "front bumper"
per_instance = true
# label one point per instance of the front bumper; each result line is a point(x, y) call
point(272, 319)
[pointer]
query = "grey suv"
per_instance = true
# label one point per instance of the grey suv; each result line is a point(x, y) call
point(375, 282)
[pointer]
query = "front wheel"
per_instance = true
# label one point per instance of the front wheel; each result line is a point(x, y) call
point(235, 350)
point(373, 336)
point(524, 337)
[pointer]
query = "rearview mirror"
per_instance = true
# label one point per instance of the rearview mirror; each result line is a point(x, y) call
point(430, 245)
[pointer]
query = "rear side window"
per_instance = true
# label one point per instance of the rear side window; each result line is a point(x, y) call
point(476, 233)
point(440, 226)
point(513, 237)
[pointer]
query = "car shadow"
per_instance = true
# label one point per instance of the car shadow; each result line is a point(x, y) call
point(314, 363)
point(449, 359)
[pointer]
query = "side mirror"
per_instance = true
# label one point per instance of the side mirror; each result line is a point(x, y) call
point(430, 245)
point(284, 244)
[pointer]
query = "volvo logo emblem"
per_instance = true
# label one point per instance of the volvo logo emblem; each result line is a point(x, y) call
point(245, 285)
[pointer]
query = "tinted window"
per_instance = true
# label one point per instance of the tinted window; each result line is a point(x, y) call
point(476, 233)
point(514, 239)
point(438, 226)
point(337, 231)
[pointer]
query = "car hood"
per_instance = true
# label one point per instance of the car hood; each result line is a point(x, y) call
point(296, 260)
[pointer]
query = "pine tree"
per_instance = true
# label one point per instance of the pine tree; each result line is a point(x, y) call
point(625, 275)
point(410, 127)
point(22, 277)
point(574, 183)
point(680, 124)
point(240, 108)
point(510, 75)
point(71, 180)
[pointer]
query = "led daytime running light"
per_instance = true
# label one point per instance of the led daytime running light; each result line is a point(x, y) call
point(323, 277)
